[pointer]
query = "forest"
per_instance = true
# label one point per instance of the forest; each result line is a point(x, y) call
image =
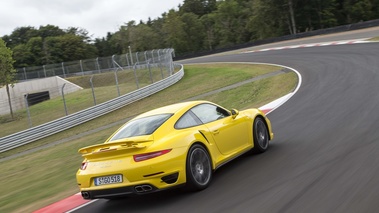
point(194, 26)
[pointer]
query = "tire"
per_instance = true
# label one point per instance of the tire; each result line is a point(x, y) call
point(260, 136)
point(198, 168)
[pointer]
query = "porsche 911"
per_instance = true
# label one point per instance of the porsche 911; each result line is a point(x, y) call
point(176, 145)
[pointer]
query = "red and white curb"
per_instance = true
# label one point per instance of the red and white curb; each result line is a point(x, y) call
point(69, 204)
point(274, 104)
point(354, 41)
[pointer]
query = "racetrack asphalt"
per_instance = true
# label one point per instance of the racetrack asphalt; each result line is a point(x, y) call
point(325, 155)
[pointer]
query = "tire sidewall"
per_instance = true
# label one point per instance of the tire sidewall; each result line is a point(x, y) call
point(191, 183)
point(257, 147)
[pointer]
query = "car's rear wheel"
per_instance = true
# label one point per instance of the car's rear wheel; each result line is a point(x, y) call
point(260, 135)
point(198, 168)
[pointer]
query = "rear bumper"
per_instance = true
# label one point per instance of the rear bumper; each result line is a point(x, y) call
point(118, 192)
point(130, 190)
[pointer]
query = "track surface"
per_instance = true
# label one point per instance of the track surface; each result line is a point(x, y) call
point(325, 156)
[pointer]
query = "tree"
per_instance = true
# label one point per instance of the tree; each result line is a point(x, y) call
point(7, 72)
point(198, 7)
point(173, 28)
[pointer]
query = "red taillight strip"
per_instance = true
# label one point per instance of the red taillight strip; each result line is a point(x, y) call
point(147, 156)
point(84, 166)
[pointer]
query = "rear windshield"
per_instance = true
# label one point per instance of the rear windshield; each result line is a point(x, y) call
point(141, 126)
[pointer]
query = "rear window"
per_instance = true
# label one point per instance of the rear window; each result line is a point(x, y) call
point(141, 126)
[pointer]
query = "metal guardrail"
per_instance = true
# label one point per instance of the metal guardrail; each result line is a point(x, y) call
point(27, 136)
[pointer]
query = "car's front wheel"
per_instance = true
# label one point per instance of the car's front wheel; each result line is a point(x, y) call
point(198, 168)
point(260, 135)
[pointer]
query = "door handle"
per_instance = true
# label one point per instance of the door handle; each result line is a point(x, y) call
point(216, 132)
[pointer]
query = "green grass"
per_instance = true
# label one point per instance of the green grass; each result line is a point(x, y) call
point(38, 179)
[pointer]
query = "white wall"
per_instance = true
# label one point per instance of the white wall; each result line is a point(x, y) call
point(51, 84)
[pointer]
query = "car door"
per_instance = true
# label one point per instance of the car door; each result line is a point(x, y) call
point(230, 134)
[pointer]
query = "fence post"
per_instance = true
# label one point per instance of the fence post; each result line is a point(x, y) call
point(160, 63)
point(152, 56)
point(115, 74)
point(167, 63)
point(145, 56)
point(64, 74)
point(131, 56)
point(27, 109)
point(98, 65)
point(151, 76)
point(93, 92)
point(44, 70)
point(113, 64)
point(135, 74)
point(64, 100)
point(137, 58)
point(127, 60)
point(26, 77)
point(81, 67)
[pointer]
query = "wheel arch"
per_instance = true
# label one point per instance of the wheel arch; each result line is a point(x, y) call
point(206, 149)
point(268, 125)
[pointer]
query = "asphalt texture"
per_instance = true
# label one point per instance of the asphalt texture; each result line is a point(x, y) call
point(325, 155)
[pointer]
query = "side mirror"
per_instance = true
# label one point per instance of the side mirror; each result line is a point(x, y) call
point(234, 113)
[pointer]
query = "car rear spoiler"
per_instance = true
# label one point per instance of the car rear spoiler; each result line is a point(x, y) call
point(123, 144)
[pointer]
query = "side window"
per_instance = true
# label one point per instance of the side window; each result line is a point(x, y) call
point(208, 112)
point(187, 120)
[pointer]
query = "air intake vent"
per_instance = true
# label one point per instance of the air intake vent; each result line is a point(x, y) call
point(169, 179)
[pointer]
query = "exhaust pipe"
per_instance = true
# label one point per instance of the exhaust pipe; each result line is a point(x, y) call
point(86, 195)
point(143, 188)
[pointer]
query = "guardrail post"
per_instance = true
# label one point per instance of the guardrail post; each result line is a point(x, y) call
point(64, 100)
point(27, 110)
point(93, 91)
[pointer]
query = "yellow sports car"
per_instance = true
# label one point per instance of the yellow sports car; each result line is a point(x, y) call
point(179, 144)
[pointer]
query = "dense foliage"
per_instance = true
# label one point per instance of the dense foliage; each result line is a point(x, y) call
point(7, 72)
point(196, 25)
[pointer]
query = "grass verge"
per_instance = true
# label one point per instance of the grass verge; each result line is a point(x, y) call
point(38, 179)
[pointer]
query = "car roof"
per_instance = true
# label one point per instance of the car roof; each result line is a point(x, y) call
point(171, 109)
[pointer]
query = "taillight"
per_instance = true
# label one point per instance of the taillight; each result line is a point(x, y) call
point(147, 156)
point(84, 165)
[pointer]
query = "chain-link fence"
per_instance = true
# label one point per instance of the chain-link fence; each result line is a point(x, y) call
point(80, 85)
point(97, 65)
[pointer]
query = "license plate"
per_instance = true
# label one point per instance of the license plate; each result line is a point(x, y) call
point(108, 180)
